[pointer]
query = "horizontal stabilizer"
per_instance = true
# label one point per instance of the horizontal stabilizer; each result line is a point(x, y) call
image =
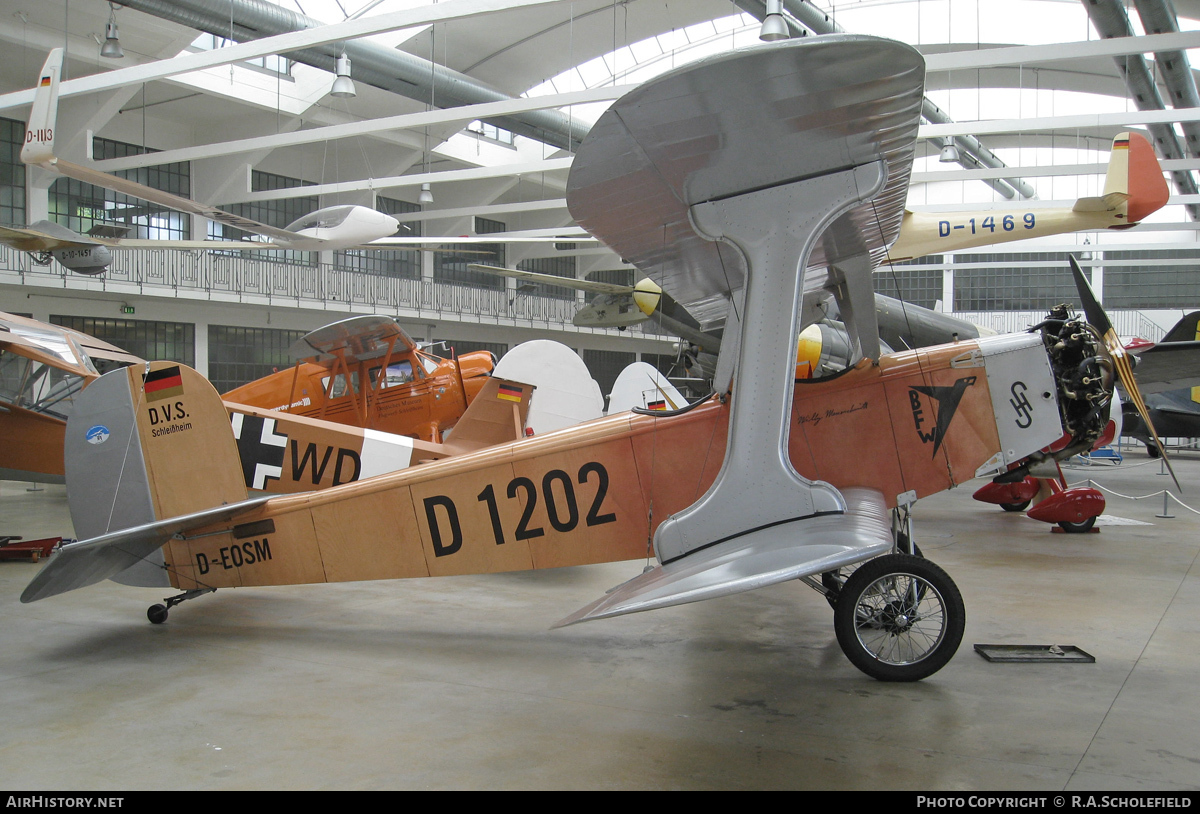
point(87, 562)
point(812, 546)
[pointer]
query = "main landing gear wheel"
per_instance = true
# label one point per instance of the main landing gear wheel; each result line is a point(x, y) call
point(157, 614)
point(833, 581)
point(1078, 528)
point(899, 618)
point(1016, 507)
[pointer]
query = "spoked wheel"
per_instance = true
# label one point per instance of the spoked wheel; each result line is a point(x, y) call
point(1078, 528)
point(899, 618)
point(1016, 507)
point(833, 581)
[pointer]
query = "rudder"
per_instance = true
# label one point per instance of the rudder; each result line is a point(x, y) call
point(146, 443)
point(39, 132)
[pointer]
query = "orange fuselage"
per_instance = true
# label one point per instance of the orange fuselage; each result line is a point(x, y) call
point(597, 492)
point(409, 393)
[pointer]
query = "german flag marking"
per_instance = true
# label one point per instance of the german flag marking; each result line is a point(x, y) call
point(657, 405)
point(163, 384)
point(45, 81)
point(1121, 144)
point(509, 393)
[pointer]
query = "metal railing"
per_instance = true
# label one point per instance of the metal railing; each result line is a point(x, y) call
point(229, 277)
point(1128, 324)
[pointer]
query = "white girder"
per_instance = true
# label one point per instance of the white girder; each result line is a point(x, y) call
point(281, 44)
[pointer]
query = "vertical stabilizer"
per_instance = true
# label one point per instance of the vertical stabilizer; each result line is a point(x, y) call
point(496, 416)
point(1135, 174)
point(147, 443)
point(39, 133)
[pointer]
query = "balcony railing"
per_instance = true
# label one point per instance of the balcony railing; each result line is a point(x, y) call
point(224, 277)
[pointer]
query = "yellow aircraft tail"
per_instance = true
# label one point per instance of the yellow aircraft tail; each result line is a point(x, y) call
point(1134, 178)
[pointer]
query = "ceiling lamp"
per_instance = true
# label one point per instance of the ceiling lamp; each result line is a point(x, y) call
point(112, 45)
point(774, 27)
point(949, 154)
point(343, 86)
point(426, 196)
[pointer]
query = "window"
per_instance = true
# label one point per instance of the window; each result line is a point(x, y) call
point(397, 373)
point(278, 213)
point(403, 263)
point(174, 341)
point(556, 266)
point(490, 131)
point(450, 267)
point(1153, 283)
point(240, 355)
point(79, 206)
point(1013, 282)
point(37, 386)
point(12, 173)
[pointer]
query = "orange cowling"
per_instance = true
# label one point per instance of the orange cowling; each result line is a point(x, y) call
point(1069, 506)
point(1000, 493)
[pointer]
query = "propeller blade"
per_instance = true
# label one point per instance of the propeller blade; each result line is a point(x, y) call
point(1100, 321)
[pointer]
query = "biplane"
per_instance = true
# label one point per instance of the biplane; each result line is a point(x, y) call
point(44, 369)
point(749, 184)
point(368, 372)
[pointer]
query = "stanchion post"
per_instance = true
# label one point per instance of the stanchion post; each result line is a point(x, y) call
point(1166, 512)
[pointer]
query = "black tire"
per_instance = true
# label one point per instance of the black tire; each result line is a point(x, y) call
point(157, 614)
point(875, 622)
point(1078, 528)
point(832, 581)
point(1152, 451)
point(1016, 507)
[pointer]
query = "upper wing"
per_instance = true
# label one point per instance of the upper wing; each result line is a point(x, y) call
point(660, 150)
point(360, 337)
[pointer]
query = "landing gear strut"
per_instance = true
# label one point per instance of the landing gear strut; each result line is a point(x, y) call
point(897, 617)
point(157, 614)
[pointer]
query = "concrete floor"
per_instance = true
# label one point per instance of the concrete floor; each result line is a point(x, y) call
point(458, 684)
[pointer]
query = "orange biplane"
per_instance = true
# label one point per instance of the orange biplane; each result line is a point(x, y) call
point(367, 372)
point(748, 184)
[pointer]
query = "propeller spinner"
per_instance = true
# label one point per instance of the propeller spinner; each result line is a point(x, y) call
point(1099, 320)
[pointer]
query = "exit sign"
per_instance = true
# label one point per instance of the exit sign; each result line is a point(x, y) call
point(126, 309)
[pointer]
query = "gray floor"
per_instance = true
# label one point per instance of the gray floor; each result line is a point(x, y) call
point(458, 683)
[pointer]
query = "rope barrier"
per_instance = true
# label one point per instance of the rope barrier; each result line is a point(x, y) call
point(1164, 492)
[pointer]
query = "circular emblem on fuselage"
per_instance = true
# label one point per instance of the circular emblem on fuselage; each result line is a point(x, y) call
point(97, 434)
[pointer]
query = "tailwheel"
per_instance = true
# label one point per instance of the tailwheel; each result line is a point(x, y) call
point(899, 618)
point(157, 614)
